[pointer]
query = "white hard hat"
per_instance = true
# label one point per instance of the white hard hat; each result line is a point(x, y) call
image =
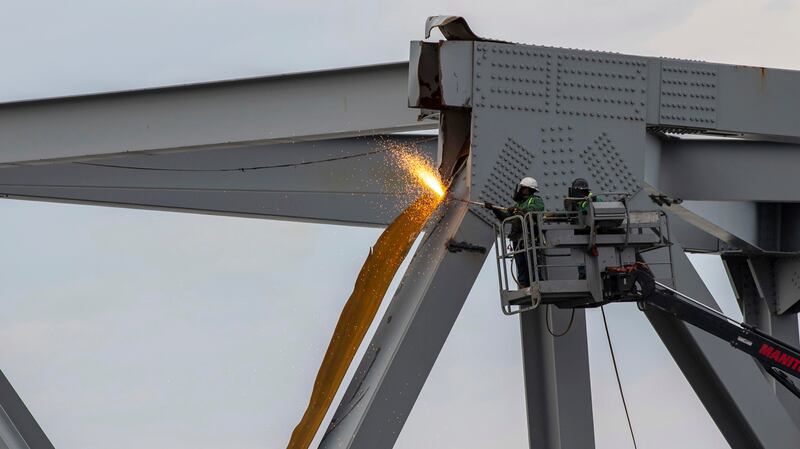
point(529, 182)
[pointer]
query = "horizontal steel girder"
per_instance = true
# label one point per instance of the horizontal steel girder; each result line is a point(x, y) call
point(730, 170)
point(345, 181)
point(306, 106)
point(724, 189)
point(350, 189)
point(755, 228)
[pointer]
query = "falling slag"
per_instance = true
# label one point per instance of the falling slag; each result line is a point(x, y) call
point(370, 287)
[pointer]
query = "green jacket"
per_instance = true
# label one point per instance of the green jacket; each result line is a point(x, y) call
point(533, 203)
point(583, 206)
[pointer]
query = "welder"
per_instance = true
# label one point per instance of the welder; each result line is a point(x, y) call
point(526, 200)
point(578, 196)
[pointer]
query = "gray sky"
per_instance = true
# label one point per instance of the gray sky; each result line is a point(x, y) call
point(132, 329)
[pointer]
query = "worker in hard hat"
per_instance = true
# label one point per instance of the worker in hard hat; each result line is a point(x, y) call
point(578, 196)
point(526, 200)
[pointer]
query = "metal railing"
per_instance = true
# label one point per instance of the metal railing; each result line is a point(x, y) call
point(506, 252)
point(531, 243)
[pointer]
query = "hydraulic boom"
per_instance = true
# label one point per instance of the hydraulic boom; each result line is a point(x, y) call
point(636, 283)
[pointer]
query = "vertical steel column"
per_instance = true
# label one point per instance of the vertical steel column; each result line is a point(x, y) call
point(557, 385)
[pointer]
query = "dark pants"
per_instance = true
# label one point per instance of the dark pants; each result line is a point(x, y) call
point(522, 270)
point(522, 267)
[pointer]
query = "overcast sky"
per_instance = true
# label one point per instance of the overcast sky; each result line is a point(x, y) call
point(130, 329)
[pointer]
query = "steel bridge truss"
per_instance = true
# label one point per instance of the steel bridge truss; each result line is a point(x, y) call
point(625, 123)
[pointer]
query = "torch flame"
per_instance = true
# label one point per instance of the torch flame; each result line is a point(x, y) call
point(431, 180)
point(420, 168)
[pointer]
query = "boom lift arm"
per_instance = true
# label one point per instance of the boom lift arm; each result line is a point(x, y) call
point(636, 283)
point(574, 261)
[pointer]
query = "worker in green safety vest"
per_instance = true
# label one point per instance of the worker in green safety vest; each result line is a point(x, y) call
point(579, 195)
point(526, 200)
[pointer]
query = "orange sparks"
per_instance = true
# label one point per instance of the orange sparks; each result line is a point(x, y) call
point(422, 169)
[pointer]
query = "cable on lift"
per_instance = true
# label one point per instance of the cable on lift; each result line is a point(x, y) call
point(513, 268)
point(549, 324)
point(619, 382)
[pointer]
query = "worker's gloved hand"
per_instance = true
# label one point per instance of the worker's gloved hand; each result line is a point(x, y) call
point(515, 211)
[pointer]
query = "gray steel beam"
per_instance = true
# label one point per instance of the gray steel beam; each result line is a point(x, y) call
point(709, 226)
point(728, 383)
point(412, 332)
point(591, 111)
point(18, 428)
point(558, 390)
point(732, 221)
point(787, 285)
point(319, 105)
point(754, 282)
point(345, 181)
point(755, 102)
point(695, 239)
point(559, 114)
point(730, 170)
point(735, 190)
point(777, 226)
point(755, 228)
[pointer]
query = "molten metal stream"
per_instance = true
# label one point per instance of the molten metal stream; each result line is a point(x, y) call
point(359, 311)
